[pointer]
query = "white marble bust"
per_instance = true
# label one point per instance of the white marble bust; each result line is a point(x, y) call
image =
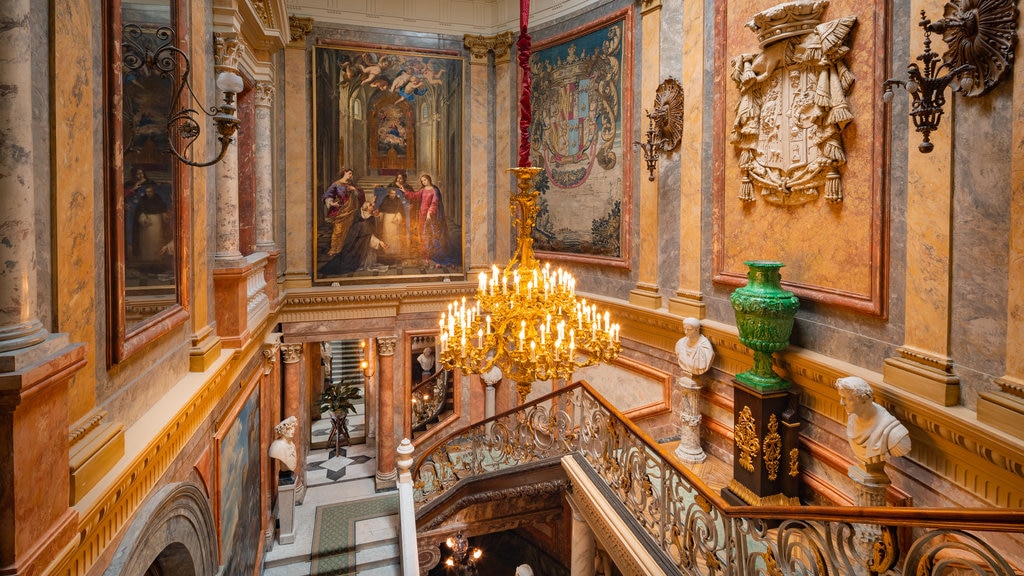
point(694, 350)
point(873, 432)
point(283, 448)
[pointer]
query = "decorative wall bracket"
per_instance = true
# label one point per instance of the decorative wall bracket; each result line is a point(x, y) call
point(155, 52)
point(665, 124)
point(980, 36)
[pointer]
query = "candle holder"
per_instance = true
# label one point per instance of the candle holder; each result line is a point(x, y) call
point(981, 37)
point(665, 124)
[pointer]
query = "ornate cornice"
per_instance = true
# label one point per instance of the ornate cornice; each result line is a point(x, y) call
point(299, 28)
point(264, 94)
point(264, 12)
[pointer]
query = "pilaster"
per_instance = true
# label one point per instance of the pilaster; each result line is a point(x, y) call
point(294, 383)
point(1005, 409)
point(646, 292)
point(688, 300)
point(264, 100)
point(226, 48)
point(923, 366)
point(297, 151)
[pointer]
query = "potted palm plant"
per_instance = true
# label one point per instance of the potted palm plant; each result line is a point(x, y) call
point(338, 400)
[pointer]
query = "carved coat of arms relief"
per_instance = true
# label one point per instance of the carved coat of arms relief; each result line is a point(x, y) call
point(793, 105)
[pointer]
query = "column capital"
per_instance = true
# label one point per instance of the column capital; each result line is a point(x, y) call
point(226, 51)
point(299, 28)
point(291, 353)
point(480, 46)
point(264, 94)
point(386, 345)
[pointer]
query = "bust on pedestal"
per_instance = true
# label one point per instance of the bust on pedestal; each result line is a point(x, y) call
point(290, 485)
point(694, 353)
point(874, 436)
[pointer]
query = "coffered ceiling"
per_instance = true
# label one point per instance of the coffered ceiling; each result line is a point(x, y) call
point(451, 17)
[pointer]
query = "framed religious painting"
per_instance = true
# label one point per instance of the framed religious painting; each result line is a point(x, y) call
point(238, 484)
point(388, 194)
point(581, 107)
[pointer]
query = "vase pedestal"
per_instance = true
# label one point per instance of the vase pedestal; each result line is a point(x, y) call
point(765, 447)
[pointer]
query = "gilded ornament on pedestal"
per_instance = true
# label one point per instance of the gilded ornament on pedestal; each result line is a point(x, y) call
point(746, 439)
point(793, 105)
point(794, 462)
point(772, 448)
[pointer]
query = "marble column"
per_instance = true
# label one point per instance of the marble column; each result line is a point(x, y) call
point(584, 547)
point(688, 300)
point(291, 357)
point(646, 292)
point(386, 471)
point(264, 97)
point(491, 379)
point(924, 366)
point(19, 323)
point(226, 49)
point(297, 136)
point(1005, 409)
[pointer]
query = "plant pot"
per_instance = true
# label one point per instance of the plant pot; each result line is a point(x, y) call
point(764, 318)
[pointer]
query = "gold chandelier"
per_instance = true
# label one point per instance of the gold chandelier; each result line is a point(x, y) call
point(526, 319)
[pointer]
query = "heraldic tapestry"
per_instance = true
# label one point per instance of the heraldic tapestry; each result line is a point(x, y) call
point(387, 164)
point(580, 120)
point(802, 139)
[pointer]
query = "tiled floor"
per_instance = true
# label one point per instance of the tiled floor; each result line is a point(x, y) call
point(330, 478)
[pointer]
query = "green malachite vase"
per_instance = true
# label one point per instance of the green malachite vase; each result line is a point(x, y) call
point(764, 318)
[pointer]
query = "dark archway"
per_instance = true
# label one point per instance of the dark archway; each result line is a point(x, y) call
point(173, 533)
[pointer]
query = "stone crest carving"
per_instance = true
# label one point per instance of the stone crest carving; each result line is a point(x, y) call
point(793, 104)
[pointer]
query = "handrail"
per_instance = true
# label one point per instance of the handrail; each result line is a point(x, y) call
point(692, 524)
point(425, 410)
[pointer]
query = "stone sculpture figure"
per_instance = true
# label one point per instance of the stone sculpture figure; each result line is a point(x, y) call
point(873, 432)
point(283, 450)
point(694, 354)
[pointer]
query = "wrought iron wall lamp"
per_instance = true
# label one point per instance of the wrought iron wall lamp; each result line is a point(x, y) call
point(980, 36)
point(155, 52)
point(664, 124)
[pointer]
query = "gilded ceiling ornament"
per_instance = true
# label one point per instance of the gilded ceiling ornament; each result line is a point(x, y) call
point(746, 439)
point(793, 104)
point(772, 448)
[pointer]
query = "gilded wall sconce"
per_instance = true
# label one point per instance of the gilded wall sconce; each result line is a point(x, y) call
point(155, 52)
point(664, 124)
point(980, 36)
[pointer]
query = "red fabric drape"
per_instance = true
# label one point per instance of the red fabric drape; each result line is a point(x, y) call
point(525, 111)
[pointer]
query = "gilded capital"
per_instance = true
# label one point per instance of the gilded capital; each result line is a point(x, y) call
point(299, 28)
point(226, 50)
point(264, 94)
point(269, 359)
point(480, 46)
point(291, 353)
point(386, 345)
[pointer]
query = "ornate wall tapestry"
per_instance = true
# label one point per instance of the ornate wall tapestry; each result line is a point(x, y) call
point(798, 117)
point(394, 118)
point(580, 117)
point(238, 487)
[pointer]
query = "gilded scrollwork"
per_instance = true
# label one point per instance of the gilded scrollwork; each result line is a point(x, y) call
point(746, 439)
point(772, 448)
point(794, 462)
point(793, 105)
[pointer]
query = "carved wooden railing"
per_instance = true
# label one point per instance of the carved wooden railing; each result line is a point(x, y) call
point(693, 526)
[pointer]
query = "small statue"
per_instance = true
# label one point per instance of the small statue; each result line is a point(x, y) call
point(693, 349)
point(283, 450)
point(426, 360)
point(873, 432)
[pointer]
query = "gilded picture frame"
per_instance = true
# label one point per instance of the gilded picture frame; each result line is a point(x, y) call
point(394, 118)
